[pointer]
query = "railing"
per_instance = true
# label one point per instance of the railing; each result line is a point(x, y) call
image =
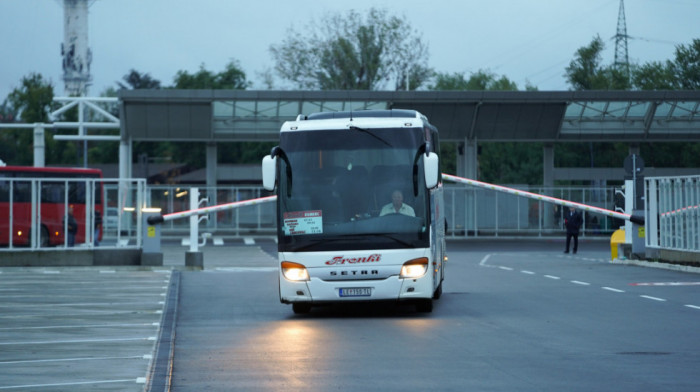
point(474, 212)
point(673, 213)
point(471, 212)
point(33, 211)
point(243, 220)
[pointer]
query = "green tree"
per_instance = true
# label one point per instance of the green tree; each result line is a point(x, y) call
point(231, 78)
point(33, 99)
point(31, 102)
point(586, 71)
point(653, 76)
point(353, 52)
point(686, 67)
point(479, 80)
point(139, 81)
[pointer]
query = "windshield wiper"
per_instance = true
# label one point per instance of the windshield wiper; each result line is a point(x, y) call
point(316, 243)
point(367, 131)
point(385, 235)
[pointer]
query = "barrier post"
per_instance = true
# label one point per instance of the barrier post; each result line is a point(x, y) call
point(152, 254)
point(194, 258)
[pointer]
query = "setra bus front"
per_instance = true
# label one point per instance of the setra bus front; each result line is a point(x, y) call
point(359, 215)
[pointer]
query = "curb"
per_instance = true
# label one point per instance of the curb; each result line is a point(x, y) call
point(666, 266)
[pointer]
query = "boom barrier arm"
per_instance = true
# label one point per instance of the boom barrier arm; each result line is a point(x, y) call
point(157, 219)
point(632, 218)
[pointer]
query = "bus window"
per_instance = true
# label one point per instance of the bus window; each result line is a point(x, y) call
point(76, 192)
point(21, 192)
point(52, 192)
point(4, 191)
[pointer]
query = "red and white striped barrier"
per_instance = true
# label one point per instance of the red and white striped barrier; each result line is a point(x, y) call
point(597, 210)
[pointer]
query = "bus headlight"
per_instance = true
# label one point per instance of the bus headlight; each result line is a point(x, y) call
point(415, 268)
point(294, 271)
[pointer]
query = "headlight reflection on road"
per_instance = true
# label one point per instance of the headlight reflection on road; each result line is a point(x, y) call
point(287, 354)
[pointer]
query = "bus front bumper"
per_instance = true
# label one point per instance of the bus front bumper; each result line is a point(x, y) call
point(319, 291)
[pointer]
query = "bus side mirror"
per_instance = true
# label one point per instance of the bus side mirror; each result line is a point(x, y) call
point(430, 164)
point(269, 172)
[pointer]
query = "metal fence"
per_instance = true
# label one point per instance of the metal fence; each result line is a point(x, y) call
point(672, 213)
point(474, 212)
point(471, 212)
point(39, 213)
point(238, 221)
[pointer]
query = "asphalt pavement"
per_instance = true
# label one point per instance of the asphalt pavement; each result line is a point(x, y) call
point(112, 328)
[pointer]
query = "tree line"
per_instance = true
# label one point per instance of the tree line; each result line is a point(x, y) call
point(369, 51)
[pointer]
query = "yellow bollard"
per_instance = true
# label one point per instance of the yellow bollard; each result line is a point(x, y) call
point(618, 237)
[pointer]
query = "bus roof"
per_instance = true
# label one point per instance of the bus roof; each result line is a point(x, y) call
point(52, 170)
point(395, 118)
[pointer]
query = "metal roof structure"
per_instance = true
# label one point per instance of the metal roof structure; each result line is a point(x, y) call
point(484, 116)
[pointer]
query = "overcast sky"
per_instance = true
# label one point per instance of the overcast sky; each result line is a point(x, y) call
point(525, 40)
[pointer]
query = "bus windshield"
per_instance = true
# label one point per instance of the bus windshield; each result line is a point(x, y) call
point(352, 189)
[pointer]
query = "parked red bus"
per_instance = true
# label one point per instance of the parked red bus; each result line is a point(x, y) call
point(53, 205)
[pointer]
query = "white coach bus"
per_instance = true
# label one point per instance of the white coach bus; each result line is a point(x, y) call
point(360, 213)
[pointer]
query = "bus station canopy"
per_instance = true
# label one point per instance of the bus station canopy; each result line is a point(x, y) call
point(484, 116)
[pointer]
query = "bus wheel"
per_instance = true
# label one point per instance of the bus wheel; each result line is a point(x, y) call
point(438, 292)
point(424, 306)
point(301, 308)
point(44, 237)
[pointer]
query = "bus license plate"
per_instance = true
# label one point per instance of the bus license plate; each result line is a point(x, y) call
point(356, 292)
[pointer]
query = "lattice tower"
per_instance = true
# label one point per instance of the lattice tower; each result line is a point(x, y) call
point(621, 55)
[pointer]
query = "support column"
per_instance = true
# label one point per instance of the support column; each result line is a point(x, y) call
point(548, 165)
point(467, 159)
point(211, 180)
point(211, 164)
point(124, 159)
point(548, 217)
point(39, 150)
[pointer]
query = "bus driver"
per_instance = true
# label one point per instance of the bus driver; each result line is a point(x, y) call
point(397, 206)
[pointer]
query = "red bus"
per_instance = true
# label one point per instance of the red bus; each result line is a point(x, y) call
point(53, 206)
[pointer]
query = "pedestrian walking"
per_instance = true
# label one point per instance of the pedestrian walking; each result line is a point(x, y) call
point(572, 221)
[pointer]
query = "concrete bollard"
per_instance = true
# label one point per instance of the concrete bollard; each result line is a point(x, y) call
point(194, 260)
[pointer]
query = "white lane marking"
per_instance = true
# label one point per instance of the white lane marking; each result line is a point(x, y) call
point(580, 283)
point(693, 306)
point(20, 305)
point(65, 384)
point(81, 326)
point(613, 290)
point(71, 359)
point(552, 277)
point(108, 272)
point(666, 284)
point(75, 341)
point(527, 272)
point(83, 313)
point(484, 260)
point(51, 272)
point(506, 268)
point(653, 298)
point(141, 380)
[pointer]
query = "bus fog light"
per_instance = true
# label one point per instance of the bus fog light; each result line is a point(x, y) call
point(414, 268)
point(294, 272)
